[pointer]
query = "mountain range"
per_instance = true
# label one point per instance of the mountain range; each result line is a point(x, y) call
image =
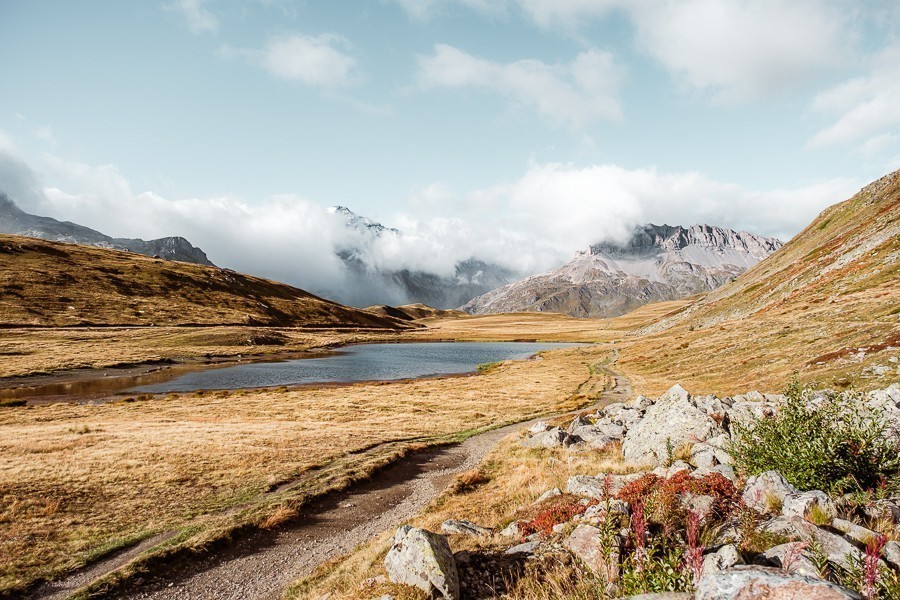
point(658, 262)
point(15, 221)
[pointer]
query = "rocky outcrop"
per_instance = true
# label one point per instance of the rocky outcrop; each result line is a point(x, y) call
point(423, 559)
point(669, 424)
point(606, 521)
point(659, 262)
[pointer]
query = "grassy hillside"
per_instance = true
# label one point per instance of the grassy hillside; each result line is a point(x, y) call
point(827, 305)
point(413, 312)
point(52, 284)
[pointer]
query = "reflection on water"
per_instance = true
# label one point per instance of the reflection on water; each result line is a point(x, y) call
point(366, 362)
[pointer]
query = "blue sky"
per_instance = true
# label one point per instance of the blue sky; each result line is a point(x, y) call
point(518, 130)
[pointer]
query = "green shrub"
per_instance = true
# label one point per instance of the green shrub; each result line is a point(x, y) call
point(836, 445)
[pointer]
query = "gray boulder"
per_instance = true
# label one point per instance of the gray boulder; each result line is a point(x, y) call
point(854, 532)
point(724, 470)
point(673, 421)
point(838, 550)
point(462, 527)
point(802, 505)
point(423, 559)
point(599, 486)
point(745, 413)
point(547, 495)
point(551, 438)
point(675, 467)
point(765, 492)
point(746, 582)
point(791, 557)
point(599, 554)
point(524, 548)
point(883, 509)
point(891, 554)
point(701, 505)
point(724, 558)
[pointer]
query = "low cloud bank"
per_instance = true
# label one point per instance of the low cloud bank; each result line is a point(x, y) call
point(529, 225)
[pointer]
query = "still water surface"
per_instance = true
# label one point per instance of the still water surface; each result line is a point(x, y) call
point(365, 362)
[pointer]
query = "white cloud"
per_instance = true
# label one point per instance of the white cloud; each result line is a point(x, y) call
point(736, 50)
point(864, 107)
point(577, 93)
point(318, 61)
point(199, 19)
point(529, 225)
point(743, 49)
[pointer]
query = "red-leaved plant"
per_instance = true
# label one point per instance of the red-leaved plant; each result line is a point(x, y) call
point(870, 565)
point(693, 556)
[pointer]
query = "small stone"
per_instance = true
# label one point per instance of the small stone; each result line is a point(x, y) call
point(463, 527)
point(539, 427)
point(548, 494)
point(524, 548)
point(513, 530)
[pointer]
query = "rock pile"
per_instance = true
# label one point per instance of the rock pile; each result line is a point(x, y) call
point(599, 521)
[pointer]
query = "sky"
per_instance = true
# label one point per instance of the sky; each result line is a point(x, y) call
point(516, 131)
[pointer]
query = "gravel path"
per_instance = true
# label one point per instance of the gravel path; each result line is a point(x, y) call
point(261, 565)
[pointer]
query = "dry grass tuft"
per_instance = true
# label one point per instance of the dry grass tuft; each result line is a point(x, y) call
point(282, 514)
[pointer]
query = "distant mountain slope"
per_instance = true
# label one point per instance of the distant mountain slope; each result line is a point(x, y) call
point(51, 284)
point(412, 312)
point(15, 221)
point(659, 262)
point(826, 305)
point(375, 285)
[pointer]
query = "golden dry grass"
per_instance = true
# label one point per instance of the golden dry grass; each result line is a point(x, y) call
point(77, 478)
point(827, 305)
point(516, 477)
point(51, 284)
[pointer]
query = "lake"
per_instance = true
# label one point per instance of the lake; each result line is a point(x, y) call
point(364, 362)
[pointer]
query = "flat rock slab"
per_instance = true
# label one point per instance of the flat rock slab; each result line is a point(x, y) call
point(751, 582)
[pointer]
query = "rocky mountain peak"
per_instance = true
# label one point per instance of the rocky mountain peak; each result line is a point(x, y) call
point(652, 239)
point(360, 223)
point(15, 221)
point(657, 262)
